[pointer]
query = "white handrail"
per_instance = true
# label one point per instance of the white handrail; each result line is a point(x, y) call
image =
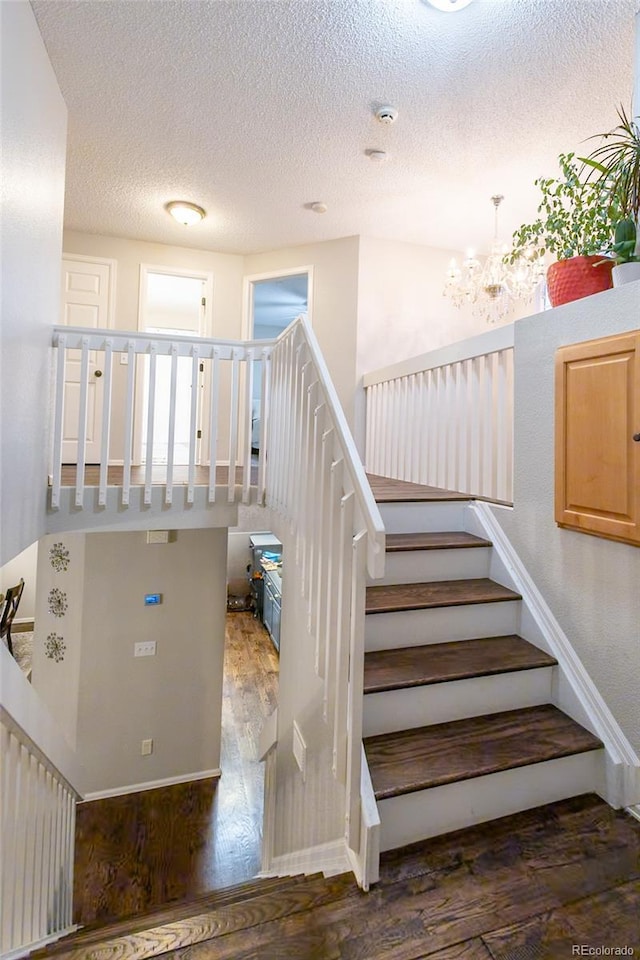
point(445, 418)
point(126, 405)
point(38, 797)
point(317, 485)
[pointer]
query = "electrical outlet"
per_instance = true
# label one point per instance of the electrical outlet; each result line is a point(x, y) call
point(145, 649)
point(124, 359)
point(146, 748)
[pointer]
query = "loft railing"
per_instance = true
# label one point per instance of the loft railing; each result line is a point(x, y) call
point(334, 535)
point(108, 390)
point(38, 819)
point(446, 418)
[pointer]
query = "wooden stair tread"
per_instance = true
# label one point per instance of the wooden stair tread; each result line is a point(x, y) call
point(172, 911)
point(452, 540)
point(436, 663)
point(387, 490)
point(240, 915)
point(425, 757)
point(391, 598)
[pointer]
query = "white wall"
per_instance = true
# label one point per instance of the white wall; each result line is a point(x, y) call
point(61, 566)
point(106, 700)
point(592, 585)
point(402, 312)
point(333, 302)
point(34, 120)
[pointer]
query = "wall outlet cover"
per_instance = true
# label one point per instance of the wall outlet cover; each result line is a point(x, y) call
point(147, 648)
point(146, 747)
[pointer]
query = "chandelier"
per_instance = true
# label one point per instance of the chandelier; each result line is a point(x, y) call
point(493, 287)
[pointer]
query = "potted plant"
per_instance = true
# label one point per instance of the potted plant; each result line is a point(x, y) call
point(614, 166)
point(574, 225)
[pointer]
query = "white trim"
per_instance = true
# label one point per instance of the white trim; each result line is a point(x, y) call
point(484, 343)
point(634, 811)
point(246, 330)
point(113, 268)
point(623, 764)
point(152, 785)
point(328, 858)
point(28, 948)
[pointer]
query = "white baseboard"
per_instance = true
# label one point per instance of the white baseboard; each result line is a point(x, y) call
point(577, 696)
point(327, 858)
point(151, 785)
point(634, 811)
point(37, 944)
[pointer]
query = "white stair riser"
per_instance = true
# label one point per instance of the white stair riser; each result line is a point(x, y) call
point(429, 813)
point(454, 700)
point(423, 517)
point(413, 628)
point(421, 566)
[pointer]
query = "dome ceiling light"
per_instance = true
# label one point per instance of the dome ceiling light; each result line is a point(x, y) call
point(185, 213)
point(448, 6)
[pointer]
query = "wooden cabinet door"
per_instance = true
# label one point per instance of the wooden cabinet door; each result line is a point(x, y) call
point(597, 417)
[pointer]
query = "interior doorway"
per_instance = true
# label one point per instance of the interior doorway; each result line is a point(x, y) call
point(273, 301)
point(171, 302)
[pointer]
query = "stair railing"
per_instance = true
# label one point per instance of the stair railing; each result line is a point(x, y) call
point(446, 418)
point(108, 389)
point(37, 773)
point(316, 483)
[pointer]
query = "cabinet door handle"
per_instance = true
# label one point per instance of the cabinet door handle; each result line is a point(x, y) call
point(636, 437)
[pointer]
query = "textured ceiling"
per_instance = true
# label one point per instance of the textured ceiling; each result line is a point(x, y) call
point(255, 108)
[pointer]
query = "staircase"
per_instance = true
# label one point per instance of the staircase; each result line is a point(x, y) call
point(458, 720)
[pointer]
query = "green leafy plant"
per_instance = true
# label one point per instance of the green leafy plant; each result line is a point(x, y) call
point(614, 167)
point(574, 216)
point(624, 245)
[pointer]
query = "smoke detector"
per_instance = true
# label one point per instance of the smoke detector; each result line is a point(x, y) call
point(318, 207)
point(386, 115)
point(378, 156)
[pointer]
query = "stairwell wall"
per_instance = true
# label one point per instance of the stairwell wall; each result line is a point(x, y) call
point(592, 585)
point(34, 123)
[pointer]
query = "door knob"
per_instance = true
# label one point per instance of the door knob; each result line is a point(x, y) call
point(98, 373)
point(636, 437)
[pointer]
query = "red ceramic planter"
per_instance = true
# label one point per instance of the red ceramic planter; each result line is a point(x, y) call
point(577, 277)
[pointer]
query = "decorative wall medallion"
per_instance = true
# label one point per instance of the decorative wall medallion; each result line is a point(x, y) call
point(57, 602)
point(55, 647)
point(59, 557)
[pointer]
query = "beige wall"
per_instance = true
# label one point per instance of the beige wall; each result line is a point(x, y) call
point(592, 585)
point(130, 254)
point(334, 302)
point(34, 123)
point(106, 700)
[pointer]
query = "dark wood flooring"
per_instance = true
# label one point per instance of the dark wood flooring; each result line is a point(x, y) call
point(527, 887)
point(438, 662)
point(423, 757)
point(386, 490)
point(440, 593)
point(137, 851)
point(158, 475)
point(455, 539)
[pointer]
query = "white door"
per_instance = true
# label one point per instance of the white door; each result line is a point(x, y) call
point(85, 303)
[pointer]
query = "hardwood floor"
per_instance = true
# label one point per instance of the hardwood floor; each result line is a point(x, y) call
point(527, 887)
point(144, 849)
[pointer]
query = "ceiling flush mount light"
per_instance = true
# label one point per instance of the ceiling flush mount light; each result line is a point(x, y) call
point(318, 207)
point(448, 6)
point(492, 288)
point(378, 156)
point(185, 212)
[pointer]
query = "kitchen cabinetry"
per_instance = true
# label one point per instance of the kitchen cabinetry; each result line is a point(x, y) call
point(598, 437)
point(272, 606)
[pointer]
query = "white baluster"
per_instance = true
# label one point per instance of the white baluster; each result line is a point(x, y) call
point(128, 424)
point(106, 423)
point(233, 428)
point(82, 422)
point(151, 406)
point(193, 423)
point(171, 438)
point(58, 420)
point(213, 423)
point(246, 472)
